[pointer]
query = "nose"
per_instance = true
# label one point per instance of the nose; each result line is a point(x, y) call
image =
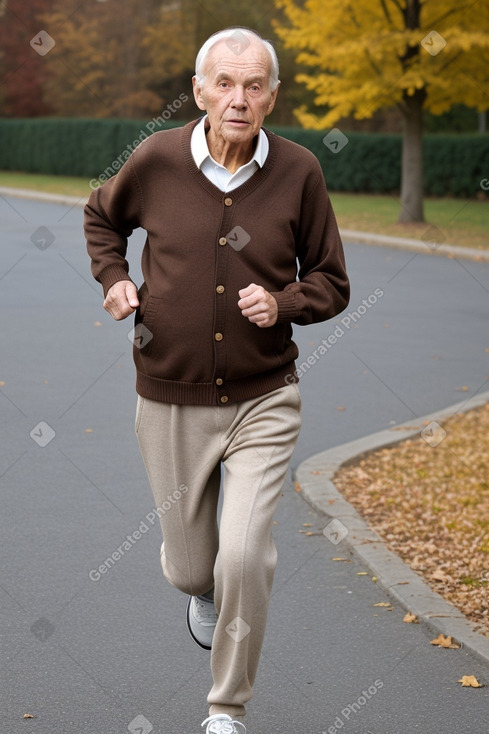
point(239, 97)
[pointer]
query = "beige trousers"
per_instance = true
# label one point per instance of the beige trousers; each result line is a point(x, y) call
point(184, 448)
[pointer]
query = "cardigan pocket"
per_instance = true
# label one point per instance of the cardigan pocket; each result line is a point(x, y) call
point(280, 339)
point(283, 342)
point(145, 319)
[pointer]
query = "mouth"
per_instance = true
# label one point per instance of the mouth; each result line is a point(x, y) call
point(237, 122)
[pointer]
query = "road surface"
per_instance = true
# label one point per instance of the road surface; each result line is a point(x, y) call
point(107, 652)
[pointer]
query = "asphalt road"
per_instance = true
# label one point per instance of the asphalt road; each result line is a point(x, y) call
point(110, 654)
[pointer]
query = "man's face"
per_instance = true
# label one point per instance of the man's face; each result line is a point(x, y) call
point(236, 91)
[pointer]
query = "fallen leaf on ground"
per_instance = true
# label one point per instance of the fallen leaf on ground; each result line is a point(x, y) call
point(410, 618)
point(360, 474)
point(439, 575)
point(404, 428)
point(383, 604)
point(297, 487)
point(345, 560)
point(29, 716)
point(430, 504)
point(447, 642)
point(469, 680)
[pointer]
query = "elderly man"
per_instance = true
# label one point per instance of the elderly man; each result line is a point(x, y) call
point(241, 243)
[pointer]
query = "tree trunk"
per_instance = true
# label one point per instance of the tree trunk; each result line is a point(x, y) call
point(412, 129)
point(482, 122)
point(412, 159)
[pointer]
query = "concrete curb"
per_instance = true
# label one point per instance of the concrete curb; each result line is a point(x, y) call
point(426, 248)
point(348, 235)
point(407, 588)
point(43, 196)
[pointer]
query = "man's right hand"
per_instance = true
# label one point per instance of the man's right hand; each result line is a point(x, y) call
point(121, 299)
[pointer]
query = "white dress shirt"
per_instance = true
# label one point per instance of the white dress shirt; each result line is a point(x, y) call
point(217, 174)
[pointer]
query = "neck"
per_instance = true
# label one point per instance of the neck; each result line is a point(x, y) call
point(230, 155)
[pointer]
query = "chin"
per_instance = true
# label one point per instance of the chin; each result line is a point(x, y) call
point(240, 136)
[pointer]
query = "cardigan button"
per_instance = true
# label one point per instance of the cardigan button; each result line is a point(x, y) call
point(219, 381)
point(223, 241)
point(224, 399)
point(228, 201)
point(220, 289)
point(218, 337)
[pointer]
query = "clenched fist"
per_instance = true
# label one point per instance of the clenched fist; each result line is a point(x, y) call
point(121, 299)
point(258, 305)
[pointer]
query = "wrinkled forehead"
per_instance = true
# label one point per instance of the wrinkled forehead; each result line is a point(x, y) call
point(224, 59)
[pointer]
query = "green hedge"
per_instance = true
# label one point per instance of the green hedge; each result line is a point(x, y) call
point(95, 148)
point(454, 164)
point(69, 147)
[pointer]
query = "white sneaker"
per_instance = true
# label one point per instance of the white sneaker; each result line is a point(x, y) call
point(223, 724)
point(201, 620)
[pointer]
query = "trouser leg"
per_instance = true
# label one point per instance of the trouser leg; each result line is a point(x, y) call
point(182, 459)
point(256, 461)
point(182, 447)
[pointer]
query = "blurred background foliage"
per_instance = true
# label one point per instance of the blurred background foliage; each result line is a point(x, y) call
point(116, 66)
point(130, 59)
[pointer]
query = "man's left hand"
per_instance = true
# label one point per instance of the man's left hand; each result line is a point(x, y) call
point(258, 305)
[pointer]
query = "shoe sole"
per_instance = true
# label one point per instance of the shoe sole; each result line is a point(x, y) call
point(194, 638)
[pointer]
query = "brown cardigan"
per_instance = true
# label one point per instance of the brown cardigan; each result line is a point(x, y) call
point(202, 247)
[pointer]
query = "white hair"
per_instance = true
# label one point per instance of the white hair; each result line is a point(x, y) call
point(236, 33)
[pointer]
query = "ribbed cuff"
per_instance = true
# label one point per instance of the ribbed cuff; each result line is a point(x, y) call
point(112, 274)
point(287, 305)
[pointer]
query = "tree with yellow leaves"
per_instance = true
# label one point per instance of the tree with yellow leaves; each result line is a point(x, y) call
point(368, 55)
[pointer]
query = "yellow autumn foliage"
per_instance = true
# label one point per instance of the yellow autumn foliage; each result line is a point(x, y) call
point(372, 54)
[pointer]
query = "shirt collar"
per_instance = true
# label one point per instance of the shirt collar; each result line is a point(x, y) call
point(200, 149)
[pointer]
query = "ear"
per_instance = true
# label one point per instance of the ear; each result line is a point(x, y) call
point(197, 89)
point(272, 99)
